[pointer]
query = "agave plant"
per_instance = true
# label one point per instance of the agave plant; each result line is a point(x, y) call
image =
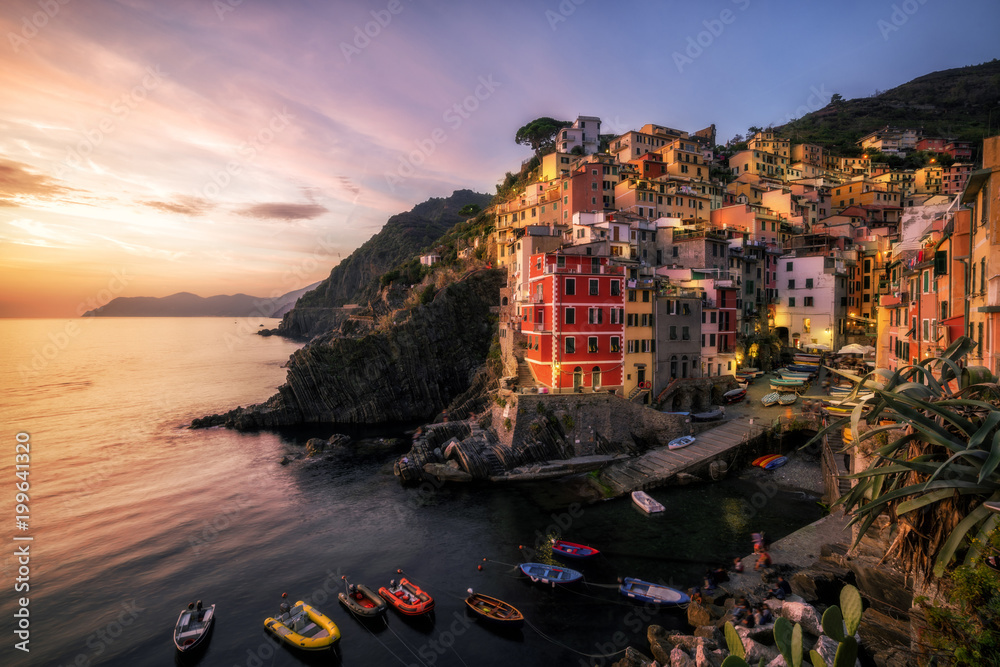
point(933, 432)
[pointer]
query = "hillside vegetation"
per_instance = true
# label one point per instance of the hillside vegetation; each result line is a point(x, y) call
point(954, 103)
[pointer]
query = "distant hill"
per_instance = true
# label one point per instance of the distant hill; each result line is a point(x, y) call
point(185, 304)
point(954, 103)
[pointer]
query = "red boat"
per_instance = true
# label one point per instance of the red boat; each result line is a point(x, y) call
point(572, 549)
point(407, 598)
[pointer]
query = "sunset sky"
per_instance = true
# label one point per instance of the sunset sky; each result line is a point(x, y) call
point(223, 146)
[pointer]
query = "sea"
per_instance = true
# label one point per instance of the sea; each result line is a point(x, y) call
point(128, 516)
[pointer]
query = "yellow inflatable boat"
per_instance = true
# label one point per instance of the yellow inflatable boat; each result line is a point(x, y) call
point(303, 627)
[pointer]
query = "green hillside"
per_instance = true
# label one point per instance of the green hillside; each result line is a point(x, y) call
point(954, 103)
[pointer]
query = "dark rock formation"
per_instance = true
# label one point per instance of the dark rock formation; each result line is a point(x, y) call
point(407, 372)
point(356, 278)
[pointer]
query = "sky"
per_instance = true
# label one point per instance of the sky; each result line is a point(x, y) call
point(224, 146)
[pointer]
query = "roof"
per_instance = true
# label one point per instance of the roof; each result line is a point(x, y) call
point(975, 183)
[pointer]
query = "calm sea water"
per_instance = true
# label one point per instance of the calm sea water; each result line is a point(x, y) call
point(133, 516)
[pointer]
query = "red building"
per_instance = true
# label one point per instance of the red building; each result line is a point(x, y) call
point(575, 323)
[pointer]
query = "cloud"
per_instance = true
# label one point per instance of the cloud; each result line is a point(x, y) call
point(182, 205)
point(282, 211)
point(17, 182)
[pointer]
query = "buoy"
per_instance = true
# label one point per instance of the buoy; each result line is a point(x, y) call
point(284, 595)
point(480, 568)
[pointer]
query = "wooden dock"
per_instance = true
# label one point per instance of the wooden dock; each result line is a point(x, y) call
point(657, 466)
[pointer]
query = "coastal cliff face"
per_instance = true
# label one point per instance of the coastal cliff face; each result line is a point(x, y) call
point(356, 278)
point(406, 372)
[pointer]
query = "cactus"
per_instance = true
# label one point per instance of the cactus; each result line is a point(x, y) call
point(850, 604)
point(833, 624)
point(789, 641)
point(847, 653)
point(734, 642)
point(733, 661)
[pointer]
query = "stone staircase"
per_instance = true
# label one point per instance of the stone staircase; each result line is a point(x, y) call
point(524, 376)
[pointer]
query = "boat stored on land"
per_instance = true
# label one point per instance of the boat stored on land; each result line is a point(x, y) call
point(303, 627)
point(680, 442)
point(407, 598)
point(646, 591)
point(646, 502)
point(549, 574)
point(193, 627)
point(770, 399)
point(572, 549)
point(711, 415)
point(734, 395)
point(770, 462)
point(494, 610)
point(788, 399)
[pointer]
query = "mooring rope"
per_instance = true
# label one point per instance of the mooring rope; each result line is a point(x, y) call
point(568, 648)
point(405, 645)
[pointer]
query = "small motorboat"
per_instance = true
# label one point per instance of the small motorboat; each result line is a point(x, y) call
point(572, 549)
point(550, 574)
point(680, 442)
point(767, 400)
point(494, 610)
point(770, 462)
point(303, 627)
point(645, 591)
point(788, 399)
point(194, 625)
point(361, 601)
point(646, 502)
point(734, 395)
point(407, 598)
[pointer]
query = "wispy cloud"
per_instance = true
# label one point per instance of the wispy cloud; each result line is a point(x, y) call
point(182, 205)
point(19, 182)
point(283, 211)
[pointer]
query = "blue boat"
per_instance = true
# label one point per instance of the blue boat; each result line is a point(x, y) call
point(550, 574)
point(645, 591)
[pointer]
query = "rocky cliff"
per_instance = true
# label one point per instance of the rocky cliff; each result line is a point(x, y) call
point(356, 278)
point(406, 372)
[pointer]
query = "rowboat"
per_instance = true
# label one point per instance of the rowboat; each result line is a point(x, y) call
point(769, 399)
point(788, 399)
point(711, 415)
point(494, 610)
point(572, 549)
point(194, 625)
point(549, 574)
point(682, 441)
point(646, 502)
point(840, 390)
point(645, 591)
point(793, 375)
point(789, 385)
point(303, 627)
point(361, 601)
point(805, 368)
point(734, 395)
point(407, 598)
point(807, 358)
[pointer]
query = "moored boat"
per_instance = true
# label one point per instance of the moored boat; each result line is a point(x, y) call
point(494, 610)
point(767, 400)
point(680, 442)
point(646, 502)
point(549, 574)
point(646, 591)
point(572, 549)
point(303, 627)
point(406, 597)
point(361, 601)
point(194, 625)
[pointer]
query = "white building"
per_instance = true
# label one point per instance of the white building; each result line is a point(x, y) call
point(585, 132)
point(813, 299)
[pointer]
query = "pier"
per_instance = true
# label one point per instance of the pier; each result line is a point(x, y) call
point(658, 466)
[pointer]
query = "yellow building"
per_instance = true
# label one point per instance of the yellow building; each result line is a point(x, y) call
point(640, 297)
point(927, 180)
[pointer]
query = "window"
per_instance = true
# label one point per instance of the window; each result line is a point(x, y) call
point(673, 332)
point(791, 284)
point(592, 344)
point(596, 315)
point(616, 345)
point(631, 295)
point(807, 325)
point(570, 345)
point(711, 340)
point(616, 288)
point(594, 290)
point(570, 286)
point(570, 317)
point(807, 302)
point(561, 259)
point(809, 283)
point(685, 333)
point(674, 251)
point(711, 317)
point(645, 296)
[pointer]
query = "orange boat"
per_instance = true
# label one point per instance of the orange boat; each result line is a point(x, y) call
point(407, 598)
